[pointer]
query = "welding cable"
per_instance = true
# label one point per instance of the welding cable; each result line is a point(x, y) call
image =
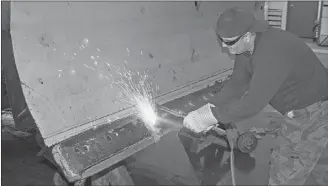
point(232, 161)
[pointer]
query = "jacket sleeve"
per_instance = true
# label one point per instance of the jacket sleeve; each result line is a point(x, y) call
point(270, 72)
point(237, 85)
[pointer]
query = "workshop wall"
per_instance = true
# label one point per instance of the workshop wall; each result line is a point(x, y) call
point(67, 54)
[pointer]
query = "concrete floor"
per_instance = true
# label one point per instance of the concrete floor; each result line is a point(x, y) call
point(20, 165)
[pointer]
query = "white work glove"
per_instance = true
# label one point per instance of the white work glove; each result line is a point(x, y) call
point(201, 119)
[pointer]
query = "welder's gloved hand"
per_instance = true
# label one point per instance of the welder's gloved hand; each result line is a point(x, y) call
point(200, 119)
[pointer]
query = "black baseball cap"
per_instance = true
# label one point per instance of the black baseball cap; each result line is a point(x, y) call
point(238, 21)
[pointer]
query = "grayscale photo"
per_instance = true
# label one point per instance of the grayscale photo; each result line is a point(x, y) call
point(106, 93)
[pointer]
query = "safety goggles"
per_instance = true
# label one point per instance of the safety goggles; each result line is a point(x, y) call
point(230, 43)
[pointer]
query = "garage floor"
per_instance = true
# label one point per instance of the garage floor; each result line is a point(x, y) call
point(20, 164)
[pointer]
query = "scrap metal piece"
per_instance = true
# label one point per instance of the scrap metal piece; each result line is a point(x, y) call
point(8, 125)
point(99, 148)
point(84, 154)
point(70, 173)
point(7, 118)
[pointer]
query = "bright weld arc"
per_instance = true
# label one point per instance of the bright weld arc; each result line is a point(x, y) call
point(140, 94)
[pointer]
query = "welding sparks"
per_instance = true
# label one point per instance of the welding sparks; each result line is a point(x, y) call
point(138, 92)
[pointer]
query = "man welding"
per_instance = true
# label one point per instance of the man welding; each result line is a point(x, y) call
point(273, 67)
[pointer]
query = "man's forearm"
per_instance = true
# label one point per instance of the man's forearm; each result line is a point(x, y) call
point(229, 92)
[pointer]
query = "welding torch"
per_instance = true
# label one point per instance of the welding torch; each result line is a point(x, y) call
point(245, 142)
